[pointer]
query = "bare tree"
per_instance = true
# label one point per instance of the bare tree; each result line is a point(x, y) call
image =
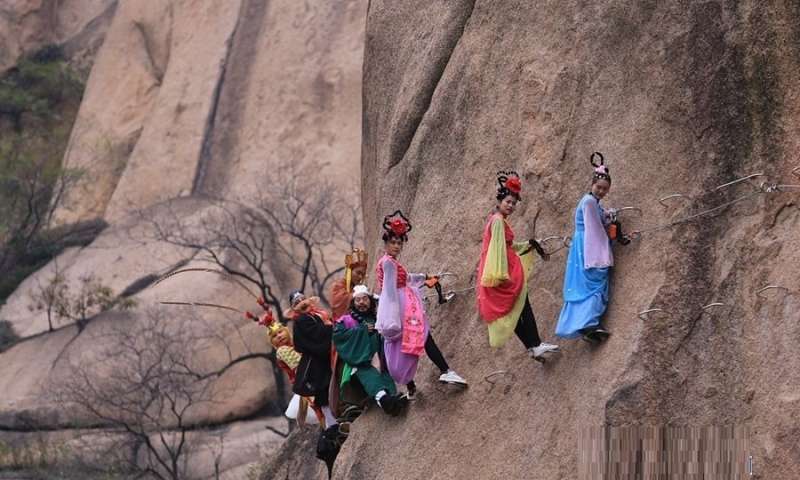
point(282, 235)
point(314, 216)
point(145, 385)
point(294, 222)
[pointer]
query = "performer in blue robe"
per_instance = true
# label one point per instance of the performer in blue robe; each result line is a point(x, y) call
point(588, 264)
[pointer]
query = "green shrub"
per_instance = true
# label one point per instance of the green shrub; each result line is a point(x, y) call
point(38, 85)
point(40, 97)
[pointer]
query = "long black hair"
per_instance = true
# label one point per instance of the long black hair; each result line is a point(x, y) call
point(601, 171)
point(503, 189)
point(397, 226)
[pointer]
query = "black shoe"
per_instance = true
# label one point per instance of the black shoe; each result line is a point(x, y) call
point(388, 404)
point(402, 403)
point(588, 338)
point(412, 390)
point(393, 404)
point(596, 335)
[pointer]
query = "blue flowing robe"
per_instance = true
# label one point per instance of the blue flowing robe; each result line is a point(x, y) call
point(586, 276)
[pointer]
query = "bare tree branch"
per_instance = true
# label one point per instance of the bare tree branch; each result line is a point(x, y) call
point(144, 384)
point(293, 223)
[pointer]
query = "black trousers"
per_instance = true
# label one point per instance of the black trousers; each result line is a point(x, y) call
point(526, 329)
point(433, 352)
point(321, 398)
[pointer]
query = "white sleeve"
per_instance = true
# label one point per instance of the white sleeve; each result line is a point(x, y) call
point(389, 321)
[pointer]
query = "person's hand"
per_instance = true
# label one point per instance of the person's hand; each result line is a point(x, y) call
point(370, 327)
point(538, 247)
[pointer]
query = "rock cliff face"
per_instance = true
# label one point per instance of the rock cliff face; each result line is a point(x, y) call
point(680, 99)
point(166, 102)
point(184, 98)
point(187, 97)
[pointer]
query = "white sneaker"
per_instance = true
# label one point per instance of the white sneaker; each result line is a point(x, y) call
point(452, 377)
point(542, 349)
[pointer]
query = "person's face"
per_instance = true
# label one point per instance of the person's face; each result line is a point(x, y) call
point(600, 188)
point(507, 205)
point(394, 246)
point(282, 338)
point(362, 303)
point(358, 274)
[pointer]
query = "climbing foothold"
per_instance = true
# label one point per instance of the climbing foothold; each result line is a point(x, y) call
point(551, 237)
point(770, 287)
point(564, 243)
point(715, 304)
point(738, 180)
point(499, 373)
point(651, 310)
point(674, 195)
point(446, 274)
point(629, 208)
point(710, 306)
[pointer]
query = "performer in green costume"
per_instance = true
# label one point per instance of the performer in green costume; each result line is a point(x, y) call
point(359, 345)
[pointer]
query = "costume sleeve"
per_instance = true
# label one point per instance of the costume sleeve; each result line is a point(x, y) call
point(312, 336)
point(520, 247)
point(389, 320)
point(596, 246)
point(604, 216)
point(353, 345)
point(347, 321)
point(339, 298)
point(416, 280)
point(495, 268)
point(378, 278)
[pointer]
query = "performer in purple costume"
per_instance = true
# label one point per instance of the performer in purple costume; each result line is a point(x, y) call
point(401, 314)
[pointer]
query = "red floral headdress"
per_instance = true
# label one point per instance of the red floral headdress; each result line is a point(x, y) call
point(267, 319)
point(600, 170)
point(397, 224)
point(509, 183)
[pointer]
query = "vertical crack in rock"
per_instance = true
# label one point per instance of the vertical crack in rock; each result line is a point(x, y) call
point(227, 116)
point(407, 130)
point(208, 133)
